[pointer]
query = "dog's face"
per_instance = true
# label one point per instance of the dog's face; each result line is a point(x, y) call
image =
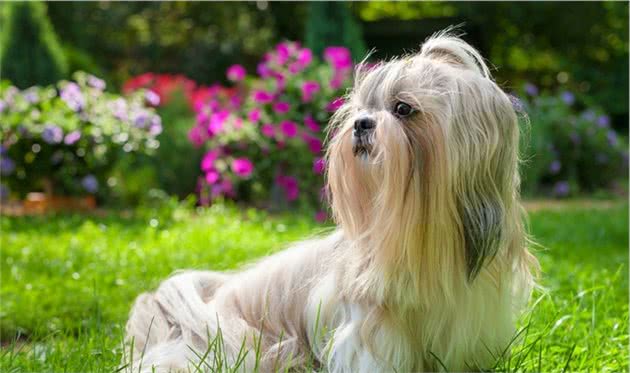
point(426, 146)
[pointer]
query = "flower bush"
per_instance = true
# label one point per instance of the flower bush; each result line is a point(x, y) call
point(569, 147)
point(264, 134)
point(64, 139)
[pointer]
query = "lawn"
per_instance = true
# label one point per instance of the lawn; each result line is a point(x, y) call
point(68, 281)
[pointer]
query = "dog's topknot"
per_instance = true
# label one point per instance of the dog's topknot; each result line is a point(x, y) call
point(449, 47)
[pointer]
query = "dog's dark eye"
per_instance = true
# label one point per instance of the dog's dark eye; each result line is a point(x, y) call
point(402, 109)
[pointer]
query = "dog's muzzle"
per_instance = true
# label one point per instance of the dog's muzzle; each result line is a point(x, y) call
point(362, 136)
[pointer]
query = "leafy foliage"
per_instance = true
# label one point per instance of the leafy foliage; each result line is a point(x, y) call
point(30, 53)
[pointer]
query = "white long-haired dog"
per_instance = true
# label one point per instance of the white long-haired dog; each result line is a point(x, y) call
point(428, 268)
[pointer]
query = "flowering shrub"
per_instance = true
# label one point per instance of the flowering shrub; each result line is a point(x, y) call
point(65, 138)
point(570, 148)
point(264, 135)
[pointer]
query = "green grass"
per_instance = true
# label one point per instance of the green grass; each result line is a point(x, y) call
point(68, 281)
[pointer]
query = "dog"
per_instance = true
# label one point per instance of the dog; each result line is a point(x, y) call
point(428, 268)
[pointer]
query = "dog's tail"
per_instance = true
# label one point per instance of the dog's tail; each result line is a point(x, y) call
point(170, 328)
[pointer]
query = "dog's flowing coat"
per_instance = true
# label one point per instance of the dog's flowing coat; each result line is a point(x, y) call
point(428, 268)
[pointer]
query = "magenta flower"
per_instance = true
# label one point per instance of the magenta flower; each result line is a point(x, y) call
point(335, 104)
point(305, 57)
point(254, 115)
point(243, 167)
point(263, 70)
point(290, 186)
point(262, 97)
point(319, 164)
point(309, 88)
point(314, 144)
point(236, 73)
point(311, 124)
point(207, 162)
point(196, 136)
point(217, 120)
point(289, 128)
point(212, 176)
point(281, 107)
point(268, 130)
point(338, 57)
point(282, 53)
point(321, 216)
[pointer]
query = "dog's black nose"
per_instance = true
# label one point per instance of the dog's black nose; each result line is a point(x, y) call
point(364, 124)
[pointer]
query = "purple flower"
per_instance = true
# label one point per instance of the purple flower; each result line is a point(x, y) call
point(517, 104)
point(3, 149)
point(555, 167)
point(268, 130)
point(72, 137)
point(72, 96)
point(561, 189)
point(309, 88)
point(314, 144)
point(254, 115)
point(263, 97)
point(119, 109)
point(338, 57)
point(236, 73)
point(263, 70)
point(96, 82)
point(7, 166)
point(31, 96)
point(52, 134)
point(90, 184)
point(531, 89)
point(155, 128)
point(568, 98)
point(152, 98)
point(281, 107)
point(140, 119)
point(603, 121)
point(612, 138)
point(319, 164)
point(242, 167)
point(289, 128)
point(588, 115)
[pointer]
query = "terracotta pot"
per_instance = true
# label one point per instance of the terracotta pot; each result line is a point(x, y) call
point(39, 203)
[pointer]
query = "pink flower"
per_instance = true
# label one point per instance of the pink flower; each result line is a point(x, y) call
point(263, 97)
point(290, 186)
point(335, 104)
point(289, 128)
point(305, 56)
point(263, 70)
point(314, 144)
point(243, 167)
point(319, 164)
point(310, 123)
point(212, 177)
point(268, 130)
point(321, 216)
point(281, 81)
point(338, 57)
point(217, 120)
point(196, 136)
point(236, 73)
point(309, 88)
point(281, 107)
point(207, 162)
point(254, 115)
point(282, 53)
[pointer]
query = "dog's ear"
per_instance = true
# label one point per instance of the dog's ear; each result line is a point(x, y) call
point(449, 47)
point(481, 222)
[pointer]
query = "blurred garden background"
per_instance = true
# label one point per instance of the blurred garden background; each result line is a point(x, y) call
point(141, 137)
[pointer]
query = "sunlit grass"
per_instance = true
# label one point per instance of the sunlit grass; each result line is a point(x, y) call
point(68, 281)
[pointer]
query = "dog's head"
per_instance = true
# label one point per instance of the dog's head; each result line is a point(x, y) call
point(423, 160)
